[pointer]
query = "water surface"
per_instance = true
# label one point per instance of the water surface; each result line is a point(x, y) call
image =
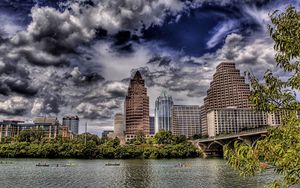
point(206, 173)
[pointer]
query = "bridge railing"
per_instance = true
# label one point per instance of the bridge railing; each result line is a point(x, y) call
point(229, 135)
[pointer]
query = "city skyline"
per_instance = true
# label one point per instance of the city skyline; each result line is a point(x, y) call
point(44, 71)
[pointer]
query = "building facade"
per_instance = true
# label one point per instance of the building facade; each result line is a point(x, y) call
point(275, 118)
point(119, 128)
point(186, 120)
point(152, 125)
point(136, 108)
point(72, 122)
point(50, 125)
point(11, 128)
point(119, 125)
point(234, 120)
point(228, 88)
point(163, 115)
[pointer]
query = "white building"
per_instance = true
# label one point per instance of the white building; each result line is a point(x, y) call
point(234, 120)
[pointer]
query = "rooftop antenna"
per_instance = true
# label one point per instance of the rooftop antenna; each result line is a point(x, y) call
point(164, 90)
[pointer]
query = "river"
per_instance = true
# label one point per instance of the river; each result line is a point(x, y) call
point(167, 173)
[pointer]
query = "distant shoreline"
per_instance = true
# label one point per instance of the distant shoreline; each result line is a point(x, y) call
point(81, 151)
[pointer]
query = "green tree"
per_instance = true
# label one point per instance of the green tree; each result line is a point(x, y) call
point(280, 149)
point(179, 139)
point(32, 135)
point(163, 137)
point(139, 139)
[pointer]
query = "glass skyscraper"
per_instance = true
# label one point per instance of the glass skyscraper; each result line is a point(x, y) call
point(163, 106)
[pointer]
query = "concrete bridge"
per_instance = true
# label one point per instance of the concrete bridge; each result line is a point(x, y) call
point(214, 146)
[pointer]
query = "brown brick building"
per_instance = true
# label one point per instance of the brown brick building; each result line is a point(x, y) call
point(136, 108)
point(227, 89)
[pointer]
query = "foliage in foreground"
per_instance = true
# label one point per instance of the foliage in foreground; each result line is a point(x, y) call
point(280, 149)
point(30, 144)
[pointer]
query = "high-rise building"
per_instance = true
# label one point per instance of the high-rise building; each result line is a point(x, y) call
point(228, 88)
point(152, 128)
point(119, 125)
point(234, 120)
point(163, 106)
point(136, 108)
point(72, 122)
point(186, 120)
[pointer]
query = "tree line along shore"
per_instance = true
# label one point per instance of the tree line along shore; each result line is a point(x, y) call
point(32, 144)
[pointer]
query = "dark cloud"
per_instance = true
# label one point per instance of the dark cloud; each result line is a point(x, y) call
point(55, 67)
point(161, 61)
point(52, 104)
point(9, 67)
point(83, 78)
point(101, 104)
point(54, 34)
point(20, 86)
point(15, 112)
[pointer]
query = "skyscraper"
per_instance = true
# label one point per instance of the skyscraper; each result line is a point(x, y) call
point(137, 108)
point(234, 120)
point(152, 128)
point(163, 106)
point(186, 120)
point(227, 89)
point(72, 122)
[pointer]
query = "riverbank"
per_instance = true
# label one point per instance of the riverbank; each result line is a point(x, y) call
point(89, 146)
point(93, 151)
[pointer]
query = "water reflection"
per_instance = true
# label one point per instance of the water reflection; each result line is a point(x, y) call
point(136, 173)
point(192, 173)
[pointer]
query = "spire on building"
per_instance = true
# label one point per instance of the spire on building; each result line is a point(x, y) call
point(163, 93)
point(137, 76)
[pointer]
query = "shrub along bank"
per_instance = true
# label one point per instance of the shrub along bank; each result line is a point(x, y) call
point(163, 145)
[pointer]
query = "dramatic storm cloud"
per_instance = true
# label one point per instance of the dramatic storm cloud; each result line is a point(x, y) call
point(77, 56)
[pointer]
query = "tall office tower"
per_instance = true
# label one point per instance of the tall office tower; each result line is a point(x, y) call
point(152, 128)
point(72, 122)
point(119, 126)
point(186, 120)
point(136, 107)
point(228, 88)
point(163, 106)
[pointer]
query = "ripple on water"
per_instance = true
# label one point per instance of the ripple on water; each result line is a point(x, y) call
point(200, 173)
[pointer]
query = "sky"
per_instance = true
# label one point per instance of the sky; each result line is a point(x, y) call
point(63, 57)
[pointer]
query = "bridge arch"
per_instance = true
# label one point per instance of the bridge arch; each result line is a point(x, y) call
point(215, 142)
point(230, 144)
point(256, 140)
